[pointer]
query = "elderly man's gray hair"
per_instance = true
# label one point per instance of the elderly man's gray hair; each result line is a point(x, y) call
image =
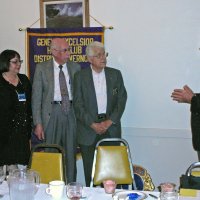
point(89, 48)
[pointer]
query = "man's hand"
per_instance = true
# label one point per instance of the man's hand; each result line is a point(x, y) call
point(183, 95)
point(39, 132)
point(106, 124)
point(101, 128)
point(98, 128)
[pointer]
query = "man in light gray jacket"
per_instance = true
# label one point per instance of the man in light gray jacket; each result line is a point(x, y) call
point(52, 124)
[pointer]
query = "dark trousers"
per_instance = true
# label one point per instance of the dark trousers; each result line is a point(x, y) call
point(87, 153)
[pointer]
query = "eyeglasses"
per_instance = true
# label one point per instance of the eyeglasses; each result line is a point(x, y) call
point(16, 61)
point(63, 50)
point(99, 56)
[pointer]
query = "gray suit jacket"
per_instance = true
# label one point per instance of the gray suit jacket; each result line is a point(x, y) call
point(85, 103)
point(43, 90)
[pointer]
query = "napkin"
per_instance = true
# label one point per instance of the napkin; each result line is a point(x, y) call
point(188, 192)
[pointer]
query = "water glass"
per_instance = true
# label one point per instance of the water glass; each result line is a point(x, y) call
point(74, 190)
point(169, 195)
point(109, 186)
point(167, 187)
point(168, 191)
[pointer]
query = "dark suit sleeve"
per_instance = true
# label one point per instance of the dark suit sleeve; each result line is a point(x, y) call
point(78, 101)
point(195, 104)
point(121, 96)
point(195, 121)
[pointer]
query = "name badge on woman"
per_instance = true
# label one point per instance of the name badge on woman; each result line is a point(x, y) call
point(21, 96)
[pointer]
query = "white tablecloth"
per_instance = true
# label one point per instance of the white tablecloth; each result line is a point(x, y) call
point(88, 193)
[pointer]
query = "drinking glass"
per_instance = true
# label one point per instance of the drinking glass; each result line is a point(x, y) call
point(2, 174)
point(168, 191)
point(167, 187)
point(109, 186)
point(169, 195)
point(74, 190)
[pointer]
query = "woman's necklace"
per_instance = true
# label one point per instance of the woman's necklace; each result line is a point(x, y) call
point(14, 80)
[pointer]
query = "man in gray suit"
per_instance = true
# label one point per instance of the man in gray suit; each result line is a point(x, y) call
point(99, 102)
point(52, 124)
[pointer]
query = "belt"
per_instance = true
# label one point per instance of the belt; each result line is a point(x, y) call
point(59, 102)
point(102, 116)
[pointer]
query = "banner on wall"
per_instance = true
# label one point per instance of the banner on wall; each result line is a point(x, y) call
point(39, 39)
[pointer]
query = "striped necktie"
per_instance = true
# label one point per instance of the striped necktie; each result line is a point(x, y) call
point(64, 92)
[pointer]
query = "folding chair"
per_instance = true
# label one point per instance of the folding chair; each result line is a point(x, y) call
point(112, 162)
point(49, 161)
point(191, 179)
point(191, 171)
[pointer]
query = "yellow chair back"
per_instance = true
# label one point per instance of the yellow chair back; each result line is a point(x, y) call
point(50, 165)
point(112, 163)
point(195, 173)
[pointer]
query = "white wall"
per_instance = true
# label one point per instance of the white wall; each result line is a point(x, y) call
point(155, 43)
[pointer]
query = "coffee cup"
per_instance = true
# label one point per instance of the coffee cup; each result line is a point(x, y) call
point(56, 189)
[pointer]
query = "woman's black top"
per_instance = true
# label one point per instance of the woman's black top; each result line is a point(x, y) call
point(15, 121)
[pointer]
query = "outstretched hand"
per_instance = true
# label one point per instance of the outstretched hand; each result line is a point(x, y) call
point(182, 95)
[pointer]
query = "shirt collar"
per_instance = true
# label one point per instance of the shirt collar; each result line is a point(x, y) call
point(96, 73)
point(56, 65)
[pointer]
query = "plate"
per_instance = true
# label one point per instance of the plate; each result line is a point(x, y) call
point(122, 195)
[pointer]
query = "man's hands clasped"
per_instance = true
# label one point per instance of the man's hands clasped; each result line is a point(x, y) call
point(101, 128)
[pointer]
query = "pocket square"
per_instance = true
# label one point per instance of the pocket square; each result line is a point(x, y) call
point(115, 91)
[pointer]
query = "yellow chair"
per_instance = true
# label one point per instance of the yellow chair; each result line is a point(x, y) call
point(49, 161)
point(112, 162)
point(190, 180)
point(191, 171)
point(195, 173)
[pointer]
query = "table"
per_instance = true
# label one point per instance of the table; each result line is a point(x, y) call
point(89, 193)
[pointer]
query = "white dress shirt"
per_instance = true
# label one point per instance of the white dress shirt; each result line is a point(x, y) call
point(100, 86)
point(57, 94)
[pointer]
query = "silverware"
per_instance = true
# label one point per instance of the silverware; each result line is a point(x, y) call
point(155, 197)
